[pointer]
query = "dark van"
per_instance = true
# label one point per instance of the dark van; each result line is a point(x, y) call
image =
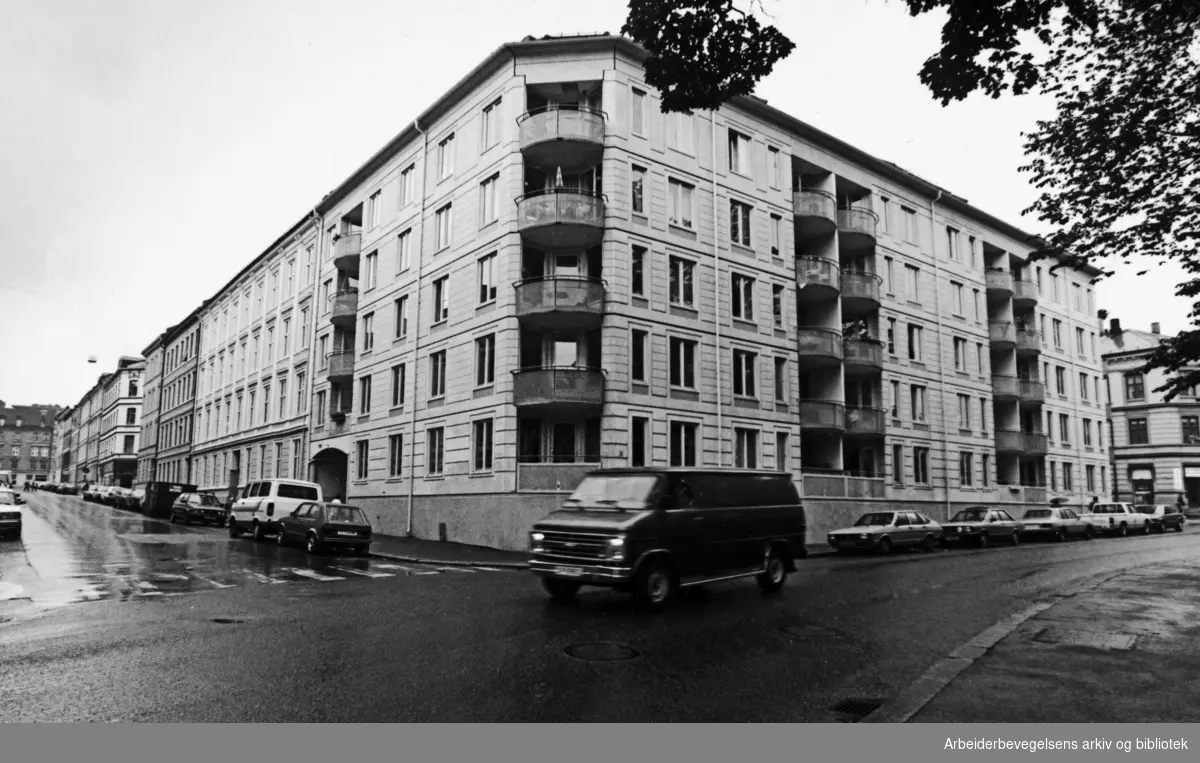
point(650, 532)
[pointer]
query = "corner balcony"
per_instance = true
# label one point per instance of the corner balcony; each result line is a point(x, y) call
point(1010, 441)
point(817, 279)
point(560, 303)
point(344, 311)
point(822, 416)
point(553, 136)
point(815, 213)
point(1028, 342)
point(559, 389)
point(561, 218)
point(856, 228)
point(860, 291)
point(1025, 294)
point(1005, 387)
point(345, 253)
point(865, 421)
point(1032, 392)
point(862, 357)
point(818, 348)
point(999, 284)
point(1003, 334)
point(341, 366)
point(1036, 444)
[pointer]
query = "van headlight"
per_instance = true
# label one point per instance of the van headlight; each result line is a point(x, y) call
point(535, 542)
point(616, 547)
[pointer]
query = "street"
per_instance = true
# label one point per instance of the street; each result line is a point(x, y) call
point(109, 617)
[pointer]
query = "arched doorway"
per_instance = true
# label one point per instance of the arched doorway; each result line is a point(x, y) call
point(329, 471)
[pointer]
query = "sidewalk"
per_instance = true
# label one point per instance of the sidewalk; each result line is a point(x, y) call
point(1121, 650)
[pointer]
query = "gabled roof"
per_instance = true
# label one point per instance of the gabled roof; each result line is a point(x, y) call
point(1129, 340)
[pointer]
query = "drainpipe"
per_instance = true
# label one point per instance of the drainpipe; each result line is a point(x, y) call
point(416, 328)
point(312, 336)
point(717, 294)
point(937, 305)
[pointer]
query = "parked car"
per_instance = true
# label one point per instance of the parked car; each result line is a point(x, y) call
point(198, 507)
point(652, 531)
point(882, 531)
point(321, 526)
point(261, 505)
point(112, 494)
point(133, 501)
point(11, 514)
point(979, 526)
point(1162, 517)
point(1118, 519)
point(1055, 522)
point(69, 488)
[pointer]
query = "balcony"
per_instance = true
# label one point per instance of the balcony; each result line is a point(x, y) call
point(1005, 387)
point(865, 421)
point(1028, 342)
point(561, 218)
point(554, 136)
point(560, 303)
point(345, 253)
point(815, 213)
point(1009, 441)
point(817, 279)
point(558, 389)
point(1036, 444)
point(999, 284)
point(860, 291)
point(862, 357)
point(822, 415)
point(818, 348)
point(341, 366)
point(856, 228)
point(550, 476)
point(1003, 334)
point(1025, 294)
point(830, 483)
point(345, 308)
point(1032, 392)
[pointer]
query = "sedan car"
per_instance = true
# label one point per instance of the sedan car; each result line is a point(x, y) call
point(1118, 519)
point(11, 515)
point(882, 531)
point(1057, 523)
point(199, 507)
point(321, 526)
point(979, 526)
point(1162, 517)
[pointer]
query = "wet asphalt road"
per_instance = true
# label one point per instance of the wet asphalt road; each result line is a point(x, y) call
point(106, 616)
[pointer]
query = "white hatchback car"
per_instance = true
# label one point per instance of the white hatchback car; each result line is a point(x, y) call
point(262, 504)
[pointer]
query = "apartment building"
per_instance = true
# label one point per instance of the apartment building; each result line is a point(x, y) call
point(177, 400)
point(120, 423)
point(1155, 444)
point(26, 442)
point(61, 451)
point(147, 467)
point(545, 274)
point(250, 418)
point(85, 423)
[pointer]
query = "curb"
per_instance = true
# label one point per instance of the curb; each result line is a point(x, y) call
point(443, 563)
point(921, 692)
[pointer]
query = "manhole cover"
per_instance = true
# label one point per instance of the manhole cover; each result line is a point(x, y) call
point(810, 632)
point(857, 708)
point(228, 620)
point(602, 651)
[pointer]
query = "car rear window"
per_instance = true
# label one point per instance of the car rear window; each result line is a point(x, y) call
point(1037, 514)
point(345, 514)
point(303, 492)
point(1147, 509)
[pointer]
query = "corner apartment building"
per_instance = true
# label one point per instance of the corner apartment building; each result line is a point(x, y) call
point(151, 393)
point(251, 409)
point(120, 423)
point(1155, 444)
point(545, 274)
point(26, 437)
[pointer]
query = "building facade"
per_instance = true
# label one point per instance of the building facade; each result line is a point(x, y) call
point(177, 401)
point(1155, 443)
point(61, 451)
point(120, 423)
point(151, 398)
point(26, 442)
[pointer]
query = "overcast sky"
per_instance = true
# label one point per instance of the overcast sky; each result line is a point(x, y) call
point(149, 150)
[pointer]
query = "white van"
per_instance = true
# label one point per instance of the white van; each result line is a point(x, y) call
point(262, 504)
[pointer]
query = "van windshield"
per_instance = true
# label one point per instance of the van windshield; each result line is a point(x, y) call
point(620, 491)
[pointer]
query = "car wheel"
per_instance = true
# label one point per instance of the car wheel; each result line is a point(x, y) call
point(1088, 532)
point(1179, 527)
point(929, 544)
point(655, 585)
point(1060, 535)
point(775, 575)
point(260, 533)
point(1145, 528)
point(234, 532)
point(312, 544)
point(885, 545)
point(561, 590)
point(983, 540)
point(279, 538)
point(187, 517)
point(1016, 538)
point(1123, 530)
point(174, 518)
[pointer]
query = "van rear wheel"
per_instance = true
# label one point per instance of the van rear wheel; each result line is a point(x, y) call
point(561, 590)
point(260, 534)
point(655, 585)
point(775, 574)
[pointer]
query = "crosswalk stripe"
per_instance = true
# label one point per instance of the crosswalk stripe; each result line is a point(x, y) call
point(363, 573)
point(409, 570)
point(214, 583)
point(263, 578)
point(313, 575)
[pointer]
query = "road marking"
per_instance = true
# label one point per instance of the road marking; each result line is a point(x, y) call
point(491, 569)
point(215, 583)
point(409, 570)
point(148, 589)
point(263, 578)
point(456, 569)
point(364, 573)
point(10, 591)
point(313, 575)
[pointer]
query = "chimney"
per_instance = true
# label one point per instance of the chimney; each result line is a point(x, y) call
point(1154, 328)
point(1114, 326)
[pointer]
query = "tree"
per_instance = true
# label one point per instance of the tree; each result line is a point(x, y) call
point(1117, 168)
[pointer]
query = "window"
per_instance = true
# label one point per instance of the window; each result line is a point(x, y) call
point(490, 125)
point(952, 245)
point(914, 342)
point(1135, 388)
point(133, 390)
point(368, 331)
point(406, 184)
point(485, 360)
point(364, 395)
point(910, 224)
point(1092, 336)
point(404, 250)
point(921, 466)
point(917, 401)
point(290, 286)
point(775, 169)
point(488, 203)
point(739, 153)
point(127, 444)
point(481, 444)
point(320, 406)
point(373, 209)
point(743, 373)
point(1057, 324)
point(325, 288)
point(781, 451)
point(434, 451)
point(1050, 425)
point(776, 233)
point(983, 409)
point(441, 299)
point(445, 158)
point(437, 374)
point(960, 354)
point(1064, 428)
point(781, 381)
point(895, 385)
point(395, 455)
point(1052, 470)
point(683, 443)
point(739, 223)
point(401, 307)
point(913, 275)
point(979, 358)
point(638, 342)
point(964, 411)
point(897, 464)
point(398, 373)
point(1068, 477)
point(975, 293)
point(959, 308)
point(1079, 345)
point(682, 285)
point(300, 393)
point(487, 278)
point(683, 363)
point(1087, 433)
point(1191, 429)
point(1083, 386)
point(362, 450)
point(743, 297)
point(283, 398)
point(638, 113)
point(441, 237)
point(891, 336)
point(745, 454)
point(1054, 287)
point(681, 132)
point(681, 199)
point(777, 304)
point(1076, 301)
point(131, 416)
point(637, 275)
point(1060, 379)
point(1090, 477)
point(638, 189)
point(966, 469)
point(638, 439)
point(266, 413)
point(287, 336)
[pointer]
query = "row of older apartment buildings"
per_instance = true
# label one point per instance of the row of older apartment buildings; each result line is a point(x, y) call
point(96, 440)
point(544, 274)
point(26, 442)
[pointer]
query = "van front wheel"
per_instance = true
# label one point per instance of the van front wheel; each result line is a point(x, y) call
point(775, 575)
point(234, 532)
point(655, 585)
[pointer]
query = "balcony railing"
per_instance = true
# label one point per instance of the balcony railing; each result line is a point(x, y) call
point(857, 226)
point(1032, 391)
point(1028, 341)
point(547, 475)
point(1009, 441)
point(815, 211)
point(860, 289)
point(1025, 292)
point(818, 345)
point(566, 303)
point(346, 251)
point(558, 386)
point(341, 364)
point(865, 420)
point(561, 136)
point(863, 354)
point(1002, 332)
point(1005, 386)
point(345, 307)
point(1036, 444)
point(822, 414)
point(817, 275)
point(830, 483)
point(561, 217)
point(999, 282)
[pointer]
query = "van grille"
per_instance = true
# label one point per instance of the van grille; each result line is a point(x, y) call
point(575, 545)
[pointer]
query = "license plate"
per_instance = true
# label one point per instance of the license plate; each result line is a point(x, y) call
point(570, 572)
point(347, 534)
